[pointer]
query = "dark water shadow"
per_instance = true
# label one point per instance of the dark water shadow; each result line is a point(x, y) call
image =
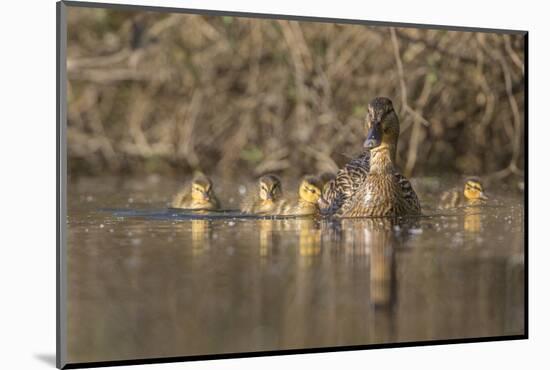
point(47, 358)
point(182, 214)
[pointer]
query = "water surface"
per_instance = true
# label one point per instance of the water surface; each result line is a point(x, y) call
point(146, 281)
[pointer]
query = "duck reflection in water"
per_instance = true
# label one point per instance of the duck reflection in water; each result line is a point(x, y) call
point(472, 219)
point(201, 236)
point(377, 240)
point(309, 232)
point(266, 237)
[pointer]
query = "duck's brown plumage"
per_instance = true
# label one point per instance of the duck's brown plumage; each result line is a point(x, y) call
point(370, 185)
point(383, 193)
point(348, 179)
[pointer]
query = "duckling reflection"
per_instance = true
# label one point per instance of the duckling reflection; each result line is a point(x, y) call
point(269, 236)
point(472, 219)
point(201, 236)
point(266, 237)
point(309, 237)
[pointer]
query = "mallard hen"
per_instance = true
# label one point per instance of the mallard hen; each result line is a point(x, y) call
point(377, 189)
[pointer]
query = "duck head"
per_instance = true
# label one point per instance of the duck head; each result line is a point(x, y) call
point(201, 189)
point(270, 188)
point(473, 189)
point(310, 189)
point(382, 125)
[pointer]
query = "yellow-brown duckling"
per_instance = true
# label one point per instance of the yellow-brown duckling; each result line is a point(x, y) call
point(472, 194)
point(383, 191)
point(200, 195)
point(309, 194)
point(267, 199)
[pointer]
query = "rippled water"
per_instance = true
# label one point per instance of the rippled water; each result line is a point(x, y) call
point(147, 281)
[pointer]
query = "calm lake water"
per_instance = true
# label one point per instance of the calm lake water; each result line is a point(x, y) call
point(146, 281)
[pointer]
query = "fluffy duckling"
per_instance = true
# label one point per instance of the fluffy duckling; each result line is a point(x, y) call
point(384, 191)
point(199, 197)
point(309, 194)
point(472, 194)
point(268, 197)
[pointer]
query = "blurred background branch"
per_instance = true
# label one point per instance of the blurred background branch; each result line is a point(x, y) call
point(174, 93)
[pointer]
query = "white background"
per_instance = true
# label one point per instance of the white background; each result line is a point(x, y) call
point(27, 197)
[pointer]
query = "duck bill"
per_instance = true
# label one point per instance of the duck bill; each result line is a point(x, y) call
point(374, 137)
point(483, 196)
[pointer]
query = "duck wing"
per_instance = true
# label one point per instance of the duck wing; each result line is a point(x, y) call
point(348, 179)
point(408, 194)
point(382, 196)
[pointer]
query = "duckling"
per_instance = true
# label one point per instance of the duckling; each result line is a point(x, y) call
point(267, 199)
point(200, 197)
point(472, 194)
point(309, 194)
point(383, 191)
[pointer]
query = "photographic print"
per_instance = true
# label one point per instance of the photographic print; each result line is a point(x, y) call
point(237, 184)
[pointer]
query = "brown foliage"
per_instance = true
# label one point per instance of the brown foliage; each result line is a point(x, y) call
point(153, 92)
